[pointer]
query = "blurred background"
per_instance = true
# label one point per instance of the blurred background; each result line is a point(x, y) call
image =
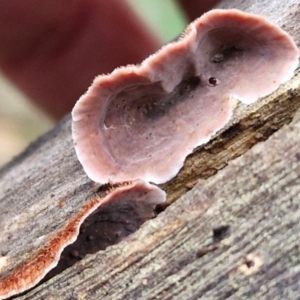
point(21, 122)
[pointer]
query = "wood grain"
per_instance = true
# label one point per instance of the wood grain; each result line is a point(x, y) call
point(196, 248)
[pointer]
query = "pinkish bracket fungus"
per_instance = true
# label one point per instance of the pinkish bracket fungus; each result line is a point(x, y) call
point(142, 121)
point(138, 196)
point(122, 214)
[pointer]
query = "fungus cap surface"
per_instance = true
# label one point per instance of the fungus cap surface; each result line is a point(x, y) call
point(142, 121)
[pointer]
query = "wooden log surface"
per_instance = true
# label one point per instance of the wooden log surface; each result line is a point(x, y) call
point(200, 245)
point(207, 244)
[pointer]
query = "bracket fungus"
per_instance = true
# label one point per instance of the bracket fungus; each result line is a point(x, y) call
point(138, 198)
point(142, 121)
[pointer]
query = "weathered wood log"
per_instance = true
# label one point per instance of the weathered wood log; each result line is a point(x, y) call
point(200, 245)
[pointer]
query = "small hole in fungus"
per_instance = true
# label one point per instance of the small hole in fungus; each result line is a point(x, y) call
point(213, 81)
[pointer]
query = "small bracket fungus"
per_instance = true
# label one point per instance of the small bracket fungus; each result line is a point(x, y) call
point(139, 196)
point(120, 215)
point(142, 121)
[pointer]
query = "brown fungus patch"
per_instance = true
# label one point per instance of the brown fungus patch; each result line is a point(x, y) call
point(131, 203)
point(142, 121)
